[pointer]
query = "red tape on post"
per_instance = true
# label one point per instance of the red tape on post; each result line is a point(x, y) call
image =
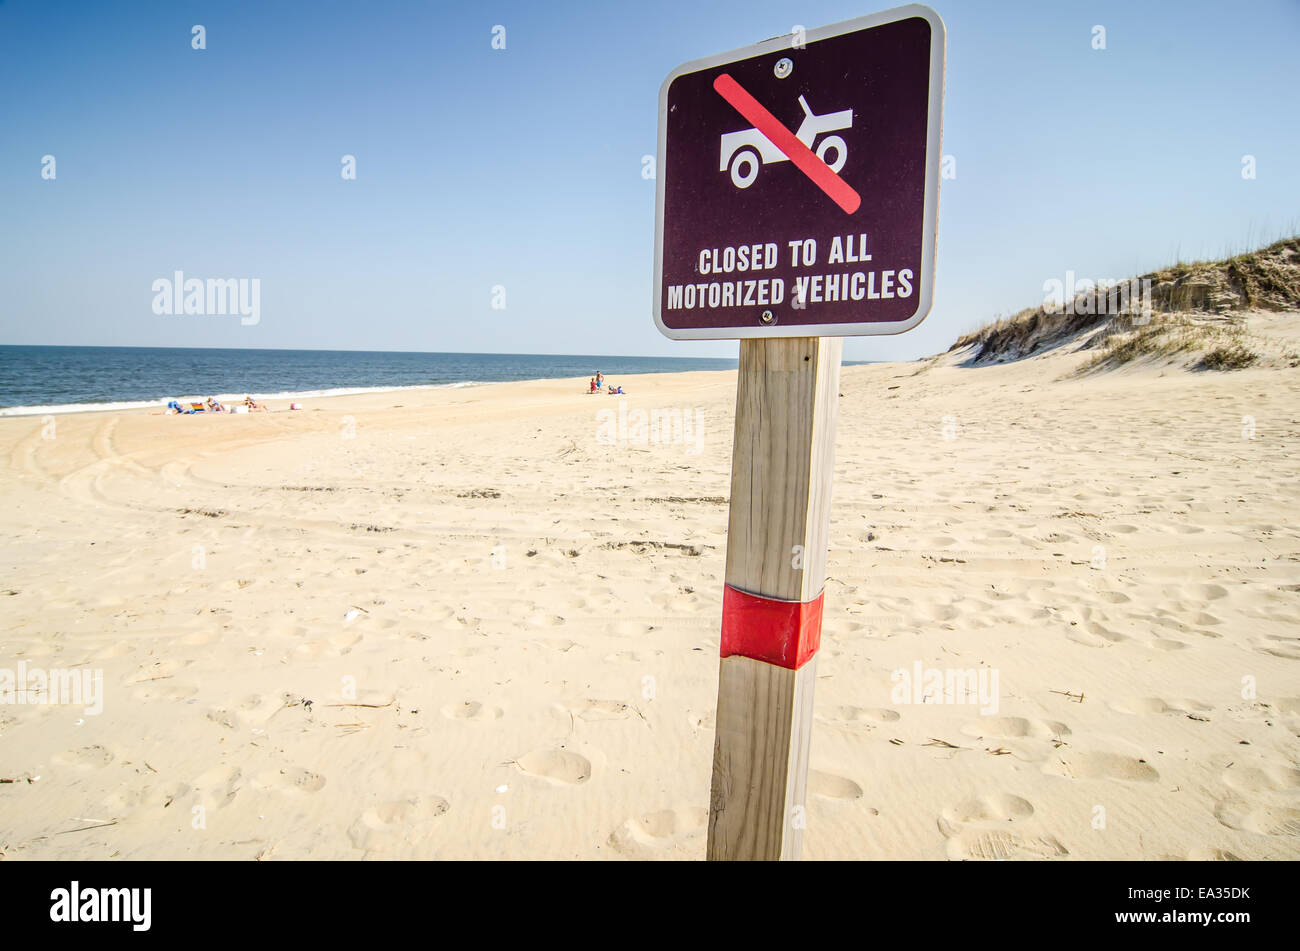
point(783, 633)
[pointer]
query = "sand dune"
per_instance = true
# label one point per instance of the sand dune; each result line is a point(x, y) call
point(461, 624)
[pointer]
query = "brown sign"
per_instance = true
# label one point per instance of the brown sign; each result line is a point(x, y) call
point(798, 183)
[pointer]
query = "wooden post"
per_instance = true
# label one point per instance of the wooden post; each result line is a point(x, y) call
point(782, 459)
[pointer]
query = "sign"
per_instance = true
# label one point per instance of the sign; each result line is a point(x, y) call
point(798, 184)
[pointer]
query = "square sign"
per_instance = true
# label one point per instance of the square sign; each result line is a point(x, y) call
point(798, 185)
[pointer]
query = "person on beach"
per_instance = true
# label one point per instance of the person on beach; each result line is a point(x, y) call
point(599, 379)
point(214, 406)
point(594, 387)
point(253, 405)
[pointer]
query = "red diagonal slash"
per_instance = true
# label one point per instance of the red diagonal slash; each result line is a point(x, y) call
point(803, 157)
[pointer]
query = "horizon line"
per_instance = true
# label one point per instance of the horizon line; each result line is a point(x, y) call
point(477, 353)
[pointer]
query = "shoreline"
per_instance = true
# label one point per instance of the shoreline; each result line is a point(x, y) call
point(64, 409)
point(670, 378)
point(160, 402)
point(333, 393)
point(487, 372)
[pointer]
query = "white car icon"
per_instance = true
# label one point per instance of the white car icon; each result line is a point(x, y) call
point(743, 150)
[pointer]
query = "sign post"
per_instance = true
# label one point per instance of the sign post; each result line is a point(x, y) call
point(782, 456)
point(797, 203)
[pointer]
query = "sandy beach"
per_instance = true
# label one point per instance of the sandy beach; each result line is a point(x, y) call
point(482, 622)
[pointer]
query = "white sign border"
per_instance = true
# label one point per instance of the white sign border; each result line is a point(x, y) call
point(933, 156)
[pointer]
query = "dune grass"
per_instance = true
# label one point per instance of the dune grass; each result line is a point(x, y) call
point(1267, 278)
point(1228, 358)
point(1223, 343)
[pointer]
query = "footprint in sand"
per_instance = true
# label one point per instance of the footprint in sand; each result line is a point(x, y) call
point(938, 541)
point(389, 824)
point(293, 780)
point(940, 612)
point(1113, 597)
point(335, 645)
point(1000, 845)
point(998, 807)
point(1270, 777)
point(1286, 648)
point(253, 710)
point(218, 786)
point(858, 715)
point(1206, 592)
point(1092, 634)
point(1008, 728)
point(980, 842)
point(832, 786)
point(471, 710)
point(87, 757)
point(561, 767)
point(602, 710)
point(1017, 613)
point(222, 717)
point(1246, 815)
point(1147, 706)
point(1073, 765)
point(160, 796)
point(659, 831)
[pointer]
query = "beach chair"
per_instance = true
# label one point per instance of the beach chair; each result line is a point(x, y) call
point(198, 408)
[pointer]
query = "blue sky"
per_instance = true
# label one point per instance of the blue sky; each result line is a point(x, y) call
point(522, 167)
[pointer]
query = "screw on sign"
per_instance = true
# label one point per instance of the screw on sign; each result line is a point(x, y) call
point(789, 228)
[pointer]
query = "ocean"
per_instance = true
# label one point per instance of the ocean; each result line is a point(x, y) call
point(39, 380)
